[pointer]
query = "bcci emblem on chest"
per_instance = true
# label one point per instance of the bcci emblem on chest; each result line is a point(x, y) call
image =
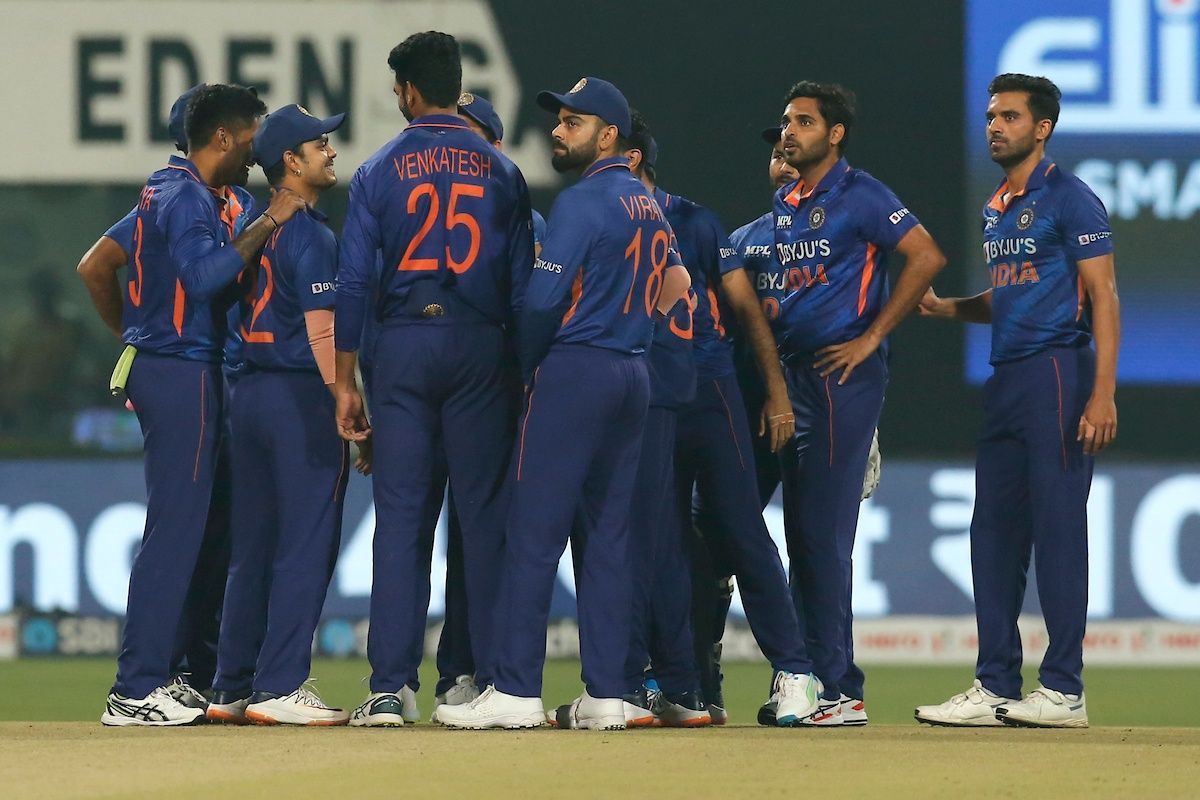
point(816, 218)
point(1025, 219)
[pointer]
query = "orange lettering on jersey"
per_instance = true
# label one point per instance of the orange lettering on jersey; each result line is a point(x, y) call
point(1028, 273)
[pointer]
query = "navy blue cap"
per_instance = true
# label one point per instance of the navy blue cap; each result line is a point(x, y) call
point(772, 135)
point(177, 122)
point(286, 129)
point(479, 109)
point(650, 154)
point(592, 96)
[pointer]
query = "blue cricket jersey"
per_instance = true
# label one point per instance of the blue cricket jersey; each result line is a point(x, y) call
point(671, 365)
point(1032, 245)
point(600, 273)
point(539, 228)
point(708, 255)
point(832, 241)
point(440, 204)
point(295, 274)
point(755, 244)
point(183, 265)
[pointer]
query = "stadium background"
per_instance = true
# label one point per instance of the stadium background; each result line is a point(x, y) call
point(87, 123)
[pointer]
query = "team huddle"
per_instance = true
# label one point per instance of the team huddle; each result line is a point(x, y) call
point(622, 377)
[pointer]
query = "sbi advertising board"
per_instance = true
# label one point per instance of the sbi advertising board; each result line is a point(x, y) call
point(1130, 124)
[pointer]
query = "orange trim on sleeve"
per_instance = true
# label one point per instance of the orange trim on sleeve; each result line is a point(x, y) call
point(576, 293)
point(867, 272)
point(177, 312)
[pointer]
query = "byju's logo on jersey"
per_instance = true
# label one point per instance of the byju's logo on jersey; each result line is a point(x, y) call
point(816, 217)
point(1125, 66)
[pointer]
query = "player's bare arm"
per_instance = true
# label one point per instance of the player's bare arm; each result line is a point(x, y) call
point(923, 261)
point(351, 417)
point(676, 282)
point(777, 418)
point(977, 308)
point(284, 203)
point(98, 270)
point(1098, 425)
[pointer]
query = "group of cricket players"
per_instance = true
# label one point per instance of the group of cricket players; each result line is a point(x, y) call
point(622, 378)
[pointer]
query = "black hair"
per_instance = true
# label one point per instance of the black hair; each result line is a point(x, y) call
point(275, 173)
point(220, 105)
point(638, 139)
point(431, 62)
point(835, 102)
point(1043, 96)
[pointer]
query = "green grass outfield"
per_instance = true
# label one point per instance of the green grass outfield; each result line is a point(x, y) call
point(1144, 743)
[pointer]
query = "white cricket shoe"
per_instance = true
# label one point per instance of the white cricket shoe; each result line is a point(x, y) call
point(854, 712)
point(227, 708)
point(797, 698)
point(157, 709)
point(379, 710)
point(186, 694)
point(1046, 708)
point(302, 707)
point(462, 692)
point(409, 709)
point(495, 709)
point(976, 707)
point(592, 713)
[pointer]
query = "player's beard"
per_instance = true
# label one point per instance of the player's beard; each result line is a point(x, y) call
point(801, 158)
point(578, 158)
point(1015, 151)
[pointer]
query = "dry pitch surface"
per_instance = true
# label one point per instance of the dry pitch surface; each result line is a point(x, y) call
point(81, 760)
point(51, 746)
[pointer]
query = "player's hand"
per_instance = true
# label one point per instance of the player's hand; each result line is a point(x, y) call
point(1098, 425)
point(778, 422)
point(845, 356)
point(931, 305)
point(366, 453)
point(284, 203)
point(351, 421)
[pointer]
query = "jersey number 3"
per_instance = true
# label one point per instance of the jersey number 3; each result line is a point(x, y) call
point(454, 218)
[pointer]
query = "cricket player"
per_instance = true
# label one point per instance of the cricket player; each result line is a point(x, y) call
point(1048, 409)
point(289, 464)
point(194, 661)
point(451, 217)
point(186, 262)
point(587, 321)
point(661, 620)
point(755, 242)
point(834, 230)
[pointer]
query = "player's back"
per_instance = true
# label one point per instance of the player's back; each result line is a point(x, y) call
point(295, 274)
point(609, 226)
point(449, 208)
point(160, 317)
point(708, 255)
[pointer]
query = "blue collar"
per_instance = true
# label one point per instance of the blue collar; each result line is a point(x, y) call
point(1037, 179)
point(799, 192)
point(178, 162)
point(612, 162)
point(438, 121)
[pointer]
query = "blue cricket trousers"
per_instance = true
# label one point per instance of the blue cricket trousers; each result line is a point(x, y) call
point(662, 626)
point(577, 453)
point(452, 377)
point(1032, 481)
point(178, 405)
point(714, 456)
point(290, 471)
point(823, 474)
